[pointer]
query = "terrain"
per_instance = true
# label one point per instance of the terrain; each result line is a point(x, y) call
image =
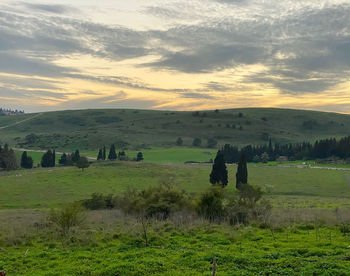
point(142, 129)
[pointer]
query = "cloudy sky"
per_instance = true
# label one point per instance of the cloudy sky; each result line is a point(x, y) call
point(178, 55)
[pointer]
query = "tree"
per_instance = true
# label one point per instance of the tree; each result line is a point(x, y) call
point(8, 159)
point(48, 159)
point(112, 154)
point(264, 157)
point(26, 161)
point(53, 158)
point(218, 174)
point(179, 141)
point(100, 155)
point(75, 156)
point(139, 156)
point(104, 153)
point(122, 156)
point(197, 142)
point(63, 159)
point(212, 143)
point(82, 163)
point(242, 172)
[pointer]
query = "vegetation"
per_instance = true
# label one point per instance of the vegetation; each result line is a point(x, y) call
point(26, 161)
point(218, 174)
point(242, 173)
point(8, 159)
point(48, 159)
point(82, 163)
point(89, 130)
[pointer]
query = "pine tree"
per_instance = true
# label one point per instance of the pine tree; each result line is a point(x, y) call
point(47, 159)
point(100, 155)
point(104, 153)
point(75, 156)
point(242, 172)
point(219, 171)
point(112, 154)
point(63, 159)
point(26, 161)
point(139, 156)
point(53, 158)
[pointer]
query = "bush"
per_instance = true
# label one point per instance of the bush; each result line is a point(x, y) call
point(211, 204)
point(98, 201)
point(67, 218)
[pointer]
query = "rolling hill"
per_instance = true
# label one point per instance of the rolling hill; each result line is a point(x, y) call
point(139, 129)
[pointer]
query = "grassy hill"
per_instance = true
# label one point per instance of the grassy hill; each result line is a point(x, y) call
point(139, 129)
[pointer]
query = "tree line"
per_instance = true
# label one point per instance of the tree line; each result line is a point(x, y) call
point(112, 154)
point(320, 149)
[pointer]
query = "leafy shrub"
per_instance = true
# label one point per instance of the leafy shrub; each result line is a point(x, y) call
point(98, 201)
point(67, 217)
point(211, 204)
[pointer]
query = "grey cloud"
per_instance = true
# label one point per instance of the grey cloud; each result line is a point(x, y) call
point(59, 9)
point(196, 96)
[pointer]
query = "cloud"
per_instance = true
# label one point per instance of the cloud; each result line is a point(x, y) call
point(56, 9)
point(197, 96)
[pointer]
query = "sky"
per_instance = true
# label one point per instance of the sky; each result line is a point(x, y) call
point(175, 55)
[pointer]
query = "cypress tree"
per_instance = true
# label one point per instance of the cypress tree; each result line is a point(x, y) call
point(53, 158)
point(242, 172)
point(63, 159)
point(218, 174)
point(139, 156)
point(75, 156)
point(112, 154)
point(26, 161)
point(100, 155)
point(104, 153)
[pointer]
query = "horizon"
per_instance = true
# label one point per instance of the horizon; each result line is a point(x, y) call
point(177, 56)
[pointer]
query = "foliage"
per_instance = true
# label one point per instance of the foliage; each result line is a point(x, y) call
point(82, 163)
point(218, 174)
point(112, 155)
point(242, 172)
point(99, 201)
point(67, 218)
point(26, 161)
point(8, 159)
point(211, 204)
point(139, 156)
point(211, 143)
point(179, 141)
point(48, 159)
point(196, 142)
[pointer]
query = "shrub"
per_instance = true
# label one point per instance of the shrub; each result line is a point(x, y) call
point(211, 204)
point(67, 217)
point(98, 201)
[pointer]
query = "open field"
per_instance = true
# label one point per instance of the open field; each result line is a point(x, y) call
point(186, 249)
point(138, 129)
point(286, 186)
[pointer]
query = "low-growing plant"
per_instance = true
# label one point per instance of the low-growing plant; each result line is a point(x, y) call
point(66, 218)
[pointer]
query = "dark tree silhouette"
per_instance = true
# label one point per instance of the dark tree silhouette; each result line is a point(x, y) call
point(112, 154)
point(219, 171)
point(242, 172)
point(139, 156)
point(26, 161)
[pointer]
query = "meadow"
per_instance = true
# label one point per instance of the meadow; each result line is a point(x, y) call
point(303, 236)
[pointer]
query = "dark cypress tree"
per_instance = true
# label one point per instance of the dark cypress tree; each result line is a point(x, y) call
point(242, 172)
point(104, 153)
point(46, 160)
point(53, 158)
point(100, 155)
point(219, 172)
point(75, 156)
point(24, 158)
point(63, 159)
point(112, 154)
point(139, 156)
point(26, 161)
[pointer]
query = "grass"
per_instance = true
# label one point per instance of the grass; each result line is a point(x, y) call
point(139, 129)
point(184, 250)
point(286, 186)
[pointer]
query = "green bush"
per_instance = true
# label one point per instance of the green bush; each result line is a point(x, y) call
point(211, 204)
point(98, 201)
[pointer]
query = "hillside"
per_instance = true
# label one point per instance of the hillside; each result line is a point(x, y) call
point(137, 129)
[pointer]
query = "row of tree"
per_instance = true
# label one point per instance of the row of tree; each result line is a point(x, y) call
point(112, 155)
point(300, 151)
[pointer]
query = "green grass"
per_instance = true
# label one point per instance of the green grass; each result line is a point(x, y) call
point(286, 186)
point(247, 251)
point(139, 129)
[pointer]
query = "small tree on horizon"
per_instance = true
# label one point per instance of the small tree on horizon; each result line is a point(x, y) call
point(196, 142)
point(139, 156)
point(100, 155)
point(26, 161)
point(242, 172)
point(82, 163)
point(179, 141)
point(112, 154)
point(218, 174)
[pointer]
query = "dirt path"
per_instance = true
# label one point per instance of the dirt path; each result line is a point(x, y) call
point(19, 122)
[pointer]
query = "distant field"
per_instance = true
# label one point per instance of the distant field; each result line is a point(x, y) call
point(288, 187)
point(88, 130)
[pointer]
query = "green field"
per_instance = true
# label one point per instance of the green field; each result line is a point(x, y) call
point(286, 186)
point(303, 237)
point(140, 129)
